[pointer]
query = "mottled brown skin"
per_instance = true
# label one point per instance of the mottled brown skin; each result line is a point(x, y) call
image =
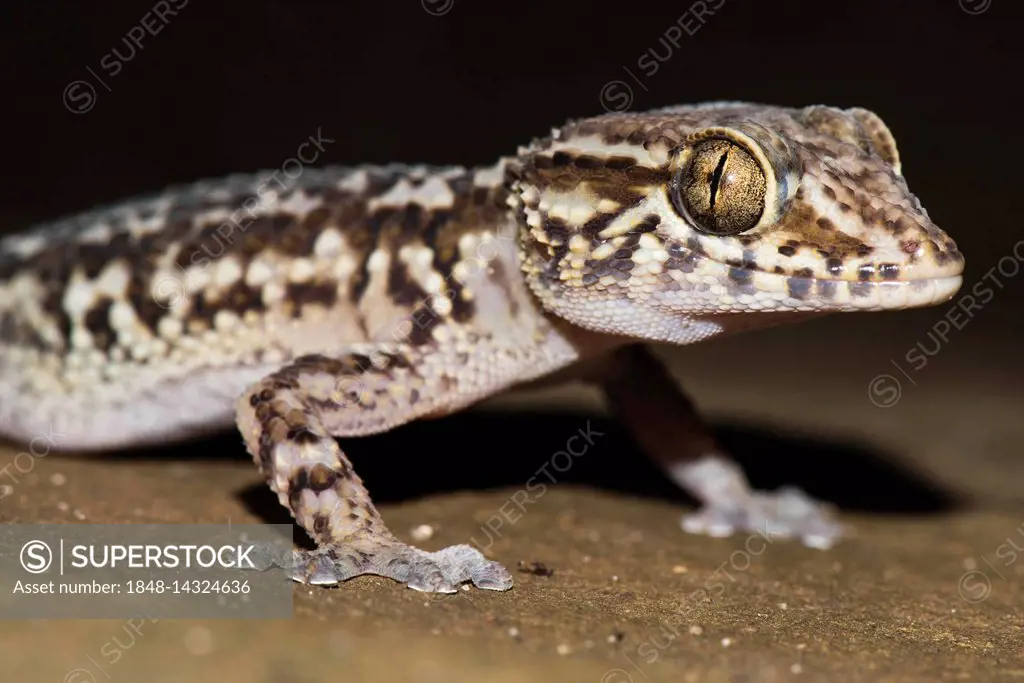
point(350, 301)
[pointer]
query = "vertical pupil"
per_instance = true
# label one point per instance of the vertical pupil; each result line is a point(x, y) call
point(716, 177)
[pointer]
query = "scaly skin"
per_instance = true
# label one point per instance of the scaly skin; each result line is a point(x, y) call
point(349, 301)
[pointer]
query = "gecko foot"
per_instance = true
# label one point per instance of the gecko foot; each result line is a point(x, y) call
point(786, 513)
point(437, 572)
point(730, 506)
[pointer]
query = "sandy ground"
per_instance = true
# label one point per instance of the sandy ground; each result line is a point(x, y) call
point(925, 588)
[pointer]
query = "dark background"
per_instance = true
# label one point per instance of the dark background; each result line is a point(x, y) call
point(236, 86)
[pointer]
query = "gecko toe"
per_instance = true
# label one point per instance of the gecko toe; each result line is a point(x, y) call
point(461, 563)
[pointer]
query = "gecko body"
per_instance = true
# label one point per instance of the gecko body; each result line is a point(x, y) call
point(349, 301)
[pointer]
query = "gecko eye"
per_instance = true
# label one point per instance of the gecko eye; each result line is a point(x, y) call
point(720, 187)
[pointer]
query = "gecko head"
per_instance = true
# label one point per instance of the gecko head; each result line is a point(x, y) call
point(635, 223)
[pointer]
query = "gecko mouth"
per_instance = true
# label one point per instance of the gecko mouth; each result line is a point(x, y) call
point(710, 284)
point(847, 295)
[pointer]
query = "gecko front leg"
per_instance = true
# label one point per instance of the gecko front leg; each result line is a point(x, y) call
point(667, 426)
point(289, 420)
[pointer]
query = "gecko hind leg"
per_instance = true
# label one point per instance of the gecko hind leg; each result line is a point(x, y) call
point(288, 420)
point(667, 426)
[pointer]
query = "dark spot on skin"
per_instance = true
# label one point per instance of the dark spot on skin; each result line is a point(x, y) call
point(97, 322)
point(621, 163)
point(798, 287)
point(740, 276)
point(585, 162)
point(591, 227)
point(826, 289)
point(825, 224)
point(864, 250)
point(860, 289)
point(561, 159)
point(409, 219)
point(264, 412)
point(787, 250)
point(357, 363)
point(282, 381)
point(844, 207)
point(804, 272)
point(424, 320)
point(321, 523)
point(648, 224)
point(829, 192)
point(889, 271)
point(322, 477)
point(299, 480)
point(542, 162)
point(303, 436)
point(322, 293)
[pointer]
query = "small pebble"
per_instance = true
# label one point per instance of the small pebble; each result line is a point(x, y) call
point(696, 630)
point(513, 632)
point(424, 532)
point(563, 649)
point(615, 578)
point(465, 588)
point(726, 642)
point(680, 569)
point(58, 479)
point(63, 507)
point(6, 490)
point(78, 514)
point(536, 568)
point(796, 668)
point(616, 636)
point(783, 605)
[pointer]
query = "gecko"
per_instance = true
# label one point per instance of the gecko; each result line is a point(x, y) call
point(350, 300)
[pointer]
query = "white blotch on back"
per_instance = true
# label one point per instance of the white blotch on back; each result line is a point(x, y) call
point(228, 272)
point(328, 243)
point(300, 204)
point(378, 260)
point(25, 246)
point(258, 273)
point(356, 182)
